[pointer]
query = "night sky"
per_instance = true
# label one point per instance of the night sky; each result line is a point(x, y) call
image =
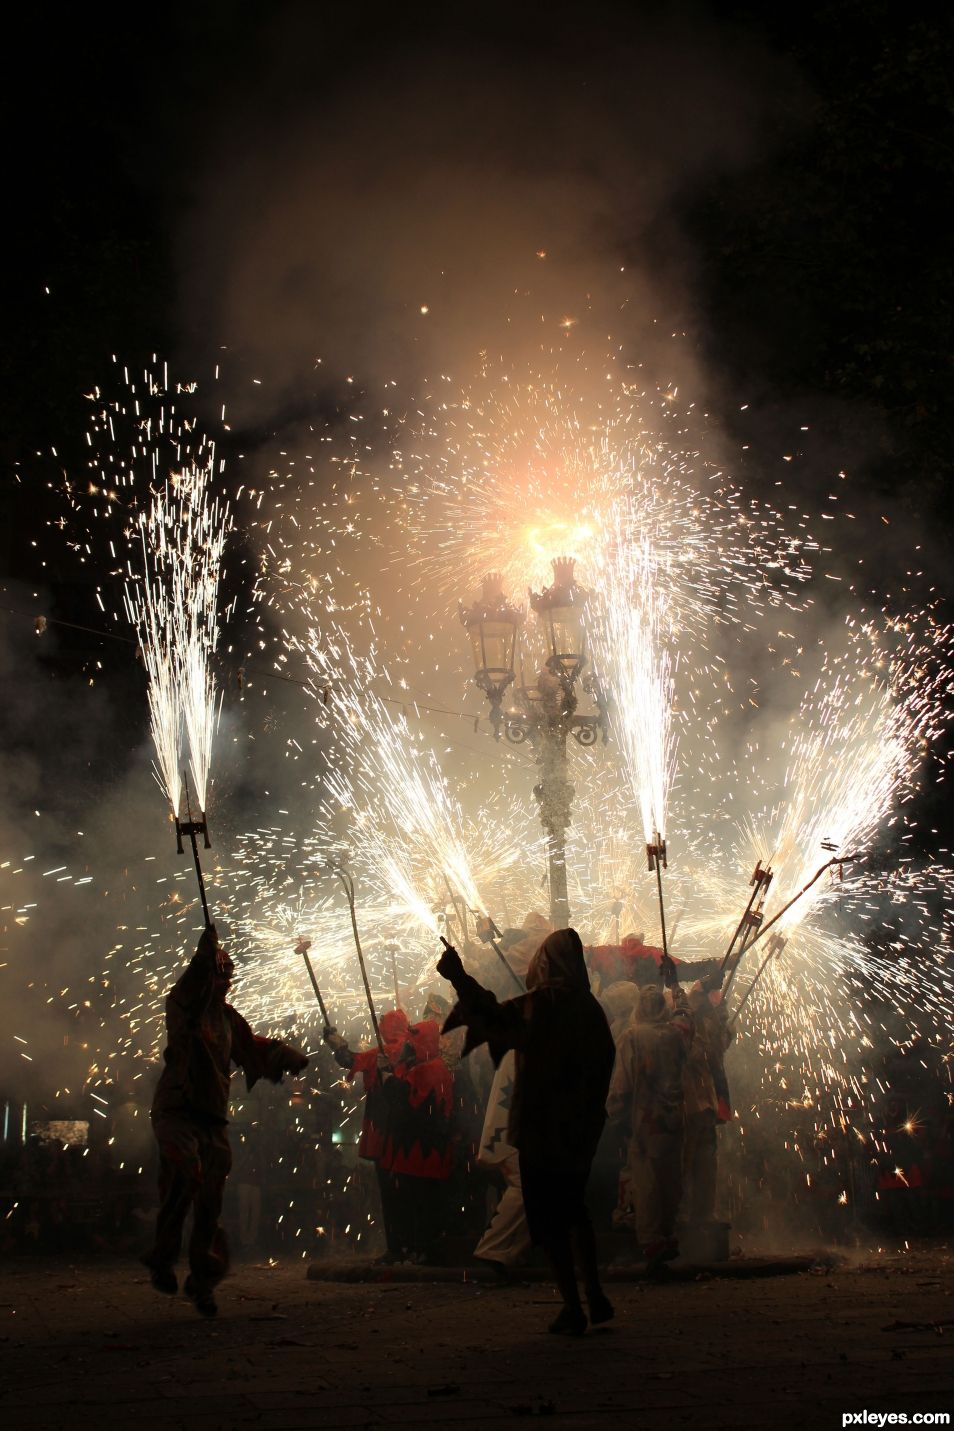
point(778, 176)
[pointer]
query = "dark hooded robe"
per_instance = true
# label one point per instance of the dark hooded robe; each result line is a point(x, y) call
point(563, 1049)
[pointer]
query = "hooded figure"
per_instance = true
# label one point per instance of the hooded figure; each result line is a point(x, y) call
point(647, 1098)
point(205, 1036)
point(619, 1002)
point(422, 1148)
point(419, 1154)
point(563, 1062)
point(376, 1139)
point(704, 1080)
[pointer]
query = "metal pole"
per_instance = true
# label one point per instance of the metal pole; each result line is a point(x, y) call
point(458, 906)
point(488, 938)
point(759, 878)
point(838, 860)
point(752, 922)
point(656, 853)
point(347, 884)
point(776, 945)
point(314, 985)
point(555, 797)
point(191, 828)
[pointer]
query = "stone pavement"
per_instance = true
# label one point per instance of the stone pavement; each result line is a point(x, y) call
point(88, 1344)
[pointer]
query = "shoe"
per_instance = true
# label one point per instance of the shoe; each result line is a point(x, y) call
point(162, 1278)
point(569, 1322)
point(601, 1310)
point(201, 1298)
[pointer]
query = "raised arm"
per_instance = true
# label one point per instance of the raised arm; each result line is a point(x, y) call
point(501, 1026)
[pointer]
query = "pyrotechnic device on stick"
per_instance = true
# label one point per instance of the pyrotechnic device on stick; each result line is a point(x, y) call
point(752, 916)
point(302, 948)
point(838, 860)
point(347, 884)
point(191, 828)
point(656, 859)
point(488, 933)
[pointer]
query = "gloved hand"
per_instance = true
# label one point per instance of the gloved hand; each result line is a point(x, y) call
point(208, 941)
point(449, 965)
point(667, 971)
point(328, 1033)
point(713, 981)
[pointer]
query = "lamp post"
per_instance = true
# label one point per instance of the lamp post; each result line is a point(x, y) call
point(547, 710)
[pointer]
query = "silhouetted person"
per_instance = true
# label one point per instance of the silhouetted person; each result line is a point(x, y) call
point(205, 1036)
point(564, 1061)
point(648, 1100)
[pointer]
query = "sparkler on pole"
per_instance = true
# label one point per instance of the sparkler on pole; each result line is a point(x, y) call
point(656, 856)
point(488, 933)
point(839, 860)
point(302, 948)
point(347, 884)
point(192, 828)
point(760, 881)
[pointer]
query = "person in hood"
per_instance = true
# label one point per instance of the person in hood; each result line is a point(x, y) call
point(705, 1064)
point(647, 1099)
point(562, 1067)
point(419, 1153)
point(376, 1066)
point(205, 1036)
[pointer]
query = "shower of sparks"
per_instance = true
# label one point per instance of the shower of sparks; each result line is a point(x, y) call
point(698, 600)
point(634, 664)
point(151, 471)
point(521, 469)
point(407, 829)
point(172, 602)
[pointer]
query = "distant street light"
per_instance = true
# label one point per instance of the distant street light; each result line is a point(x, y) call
point(545, 712)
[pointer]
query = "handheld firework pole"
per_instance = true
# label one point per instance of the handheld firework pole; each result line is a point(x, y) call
point(192, 828)
point(488, 933)
point(839, 860)
point(752, 917)
point(458, 905)
point(656, 858)
point(302, 948)
point(775, 946)
point(347, 884)
point(616, 909)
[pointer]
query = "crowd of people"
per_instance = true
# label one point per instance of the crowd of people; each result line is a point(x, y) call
point(582, 1120)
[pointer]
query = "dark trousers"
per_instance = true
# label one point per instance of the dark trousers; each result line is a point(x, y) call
point(412, 1210)
point(194, 1161)
point(554, 1200)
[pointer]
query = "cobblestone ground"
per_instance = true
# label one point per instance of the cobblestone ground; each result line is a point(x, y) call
point(89, 1343)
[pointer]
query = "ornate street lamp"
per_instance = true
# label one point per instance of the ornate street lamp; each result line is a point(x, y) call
point(560, 608)
point(492, 625)
point(546, 714)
